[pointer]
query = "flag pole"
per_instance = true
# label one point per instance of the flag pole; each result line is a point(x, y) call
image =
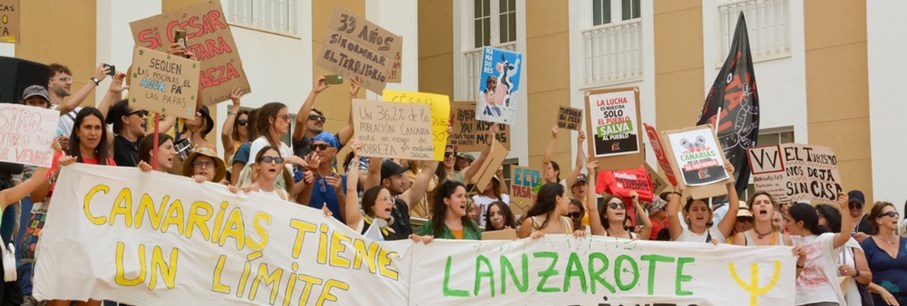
point(157, 126)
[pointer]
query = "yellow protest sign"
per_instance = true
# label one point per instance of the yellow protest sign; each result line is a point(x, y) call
point(440, 113)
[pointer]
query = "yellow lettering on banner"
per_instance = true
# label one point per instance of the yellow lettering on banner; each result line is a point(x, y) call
point(120, 278)
point(199, 221)
point(174, 216)
point(322, 244)
point(384, 263)
point(310, 281)
point(233, 229)
point(291, 285)
point(367, 256)
point(257, 220)
point(216, 285)
point(753, 287)
point(337, 247)
point(86, 203)
point(271, 280)
point(302, 228)
point(155, 216)
point(158, 263)
point(246, 269)
point(122, 206)
point(218, 221)
point(326, 293)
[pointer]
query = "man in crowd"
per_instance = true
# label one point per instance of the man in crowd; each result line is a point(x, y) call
point(393, 178)
point(328, 187)
point(310, 121)
point(60, 85)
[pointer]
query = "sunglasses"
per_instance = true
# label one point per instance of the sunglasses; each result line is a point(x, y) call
point(892, 214)
point(242, 122)
point(855, 205)
point(200, 163)
point(269, 159)
point(317, 117)
point(617, 205)
point(320, 146)
point(575, 215)
point(448, 154)
point(141, 113)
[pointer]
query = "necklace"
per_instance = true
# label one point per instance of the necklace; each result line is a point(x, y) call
point(761, 235)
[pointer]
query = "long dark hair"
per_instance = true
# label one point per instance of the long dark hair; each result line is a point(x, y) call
point(546, 202)
point(509, 219)
point(101, 151)
point(806, 213)
point(439, 209)
point(263, 124)
point(147, 145)
point(235, 134)
point(832, 218)
point(557, 168)
point(603, 216)
point(368, 200)
point(876, 213)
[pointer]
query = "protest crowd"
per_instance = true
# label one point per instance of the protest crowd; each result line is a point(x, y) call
point(424, 201)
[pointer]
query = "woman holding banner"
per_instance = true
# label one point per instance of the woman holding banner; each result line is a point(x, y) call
point(763, 233)
point(698, 216)
point(449, 219)
point(166, 153)
point(816, 251)
point(499, 217)
point(614, 218)
point(547, 214)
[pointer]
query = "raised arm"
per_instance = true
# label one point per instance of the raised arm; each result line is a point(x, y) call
point(114, 93)
point(303, 114)
point(351, 214)
point(546, 159)
point(595, 221)
point(726, 225)
point(414, 193)
point(226, 134)
point(674, 226)
point(580, 158)
point(374, 173)
point(76, 99)
point(843, 236)
point(643, 216)
point(345, 133)
point(471, 171)
point(18, 192)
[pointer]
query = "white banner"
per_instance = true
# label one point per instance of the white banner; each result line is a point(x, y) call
point(26, 133)
point(144, 238)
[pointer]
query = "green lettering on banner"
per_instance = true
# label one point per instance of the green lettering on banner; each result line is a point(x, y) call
point(547, 272)
point(446, 288)
point(506, 266)
point(574, 269)
point(619, 268)
point(682, 278)
point(652, 259)
point(482, 260)
point(614, 128)
point(595, 275)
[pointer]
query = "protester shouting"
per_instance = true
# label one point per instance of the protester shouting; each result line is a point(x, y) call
point(449, 219)
point(698, 217)
point(764, 232)
point(817, 269)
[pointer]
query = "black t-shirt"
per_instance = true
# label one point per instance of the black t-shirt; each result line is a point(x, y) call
point(864, 226)
point(125, 152)
point(401, 219)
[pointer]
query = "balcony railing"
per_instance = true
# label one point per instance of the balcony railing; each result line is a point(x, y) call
point(272, 15)
point(613, 53)
point(474, 68)
point(768, 26)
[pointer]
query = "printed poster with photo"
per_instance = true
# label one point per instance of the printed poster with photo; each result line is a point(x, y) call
point(499, 85)
point(697, 156)
point(614, 122)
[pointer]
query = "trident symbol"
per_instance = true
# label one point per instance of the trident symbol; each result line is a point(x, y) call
point(753, 288)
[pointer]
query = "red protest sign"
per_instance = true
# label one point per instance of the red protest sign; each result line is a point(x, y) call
point(621, 182)
point(658, 148)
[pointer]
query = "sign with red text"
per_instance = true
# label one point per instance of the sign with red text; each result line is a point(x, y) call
point(355, 46)
point(660, 155)
point(163, 83)
point(613, 126)
point(469, 134)
point(796, 172)
point(208, 36)
point(697, 158)
point(26, 134)
point(522, 182)
point(9, 21)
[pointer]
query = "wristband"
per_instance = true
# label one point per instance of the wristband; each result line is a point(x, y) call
point(857, 274)
point(800, 267)
point(230, 113)
point(96, 81)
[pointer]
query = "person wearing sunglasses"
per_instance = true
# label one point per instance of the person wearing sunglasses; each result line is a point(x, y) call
point(886, 254)
point(129, 127)
point(310, 121)
point(270, 166)
point(235, 130)
point(862, 225)
point(614, 218)
point(327, 188)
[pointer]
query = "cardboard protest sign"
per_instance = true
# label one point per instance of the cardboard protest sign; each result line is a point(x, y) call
point(522, 182)
point(208, 36)
point(157, 239)
point(796, 172)
point(612, 123)
point(354, 46)
point(488, 168)
point(9, 21)
point(697, 157)
point(163, 83)
point(393, 130)
point(469, 134)
point(440, 114)
point(622, 182)
point(499, 85)
point(569, 118)
point(660, 154)
point(659, 183)
point(26, 134)
point(504, 234)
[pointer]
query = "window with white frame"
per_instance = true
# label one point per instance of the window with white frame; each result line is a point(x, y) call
point(272, 15)
point(493, 24)
point(613, 43)
point(768, 28)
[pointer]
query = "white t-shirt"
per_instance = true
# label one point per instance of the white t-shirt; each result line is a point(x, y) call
point(845, 257)
point(690, 236)
point(818, 281)
point(67, 121)
point(261, 143)
point(483, 203)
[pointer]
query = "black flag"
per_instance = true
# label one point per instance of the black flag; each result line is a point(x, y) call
point(734, 102)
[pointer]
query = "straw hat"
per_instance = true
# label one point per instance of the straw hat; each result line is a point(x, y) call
point(220, 168)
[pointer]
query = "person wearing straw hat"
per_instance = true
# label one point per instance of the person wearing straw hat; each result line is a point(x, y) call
point(203, 164)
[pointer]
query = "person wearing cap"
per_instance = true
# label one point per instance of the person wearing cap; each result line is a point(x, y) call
point(392, 177)
point(36, 95)
point(464, 160)
point(862, 229)
point(327, 188)
point(310, 121)
point(204, 165)
point(763, 231)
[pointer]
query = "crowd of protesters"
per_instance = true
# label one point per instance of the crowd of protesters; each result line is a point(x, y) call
point(380, 198)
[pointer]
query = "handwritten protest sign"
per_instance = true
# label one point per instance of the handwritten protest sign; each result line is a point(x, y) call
point(354, 46)
point(612, 123)
point(660, 155)
point(163, 83)
point(488, 168)
point(696, 155)
point(569, 118)
point(499, 85)
point(796, 172)
point(471, 135)
point(26, 133)
point(155, 241)
point(393, 130)
point(208, 36)
point(440, 114)
point(9, 21)
point(522, 182)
